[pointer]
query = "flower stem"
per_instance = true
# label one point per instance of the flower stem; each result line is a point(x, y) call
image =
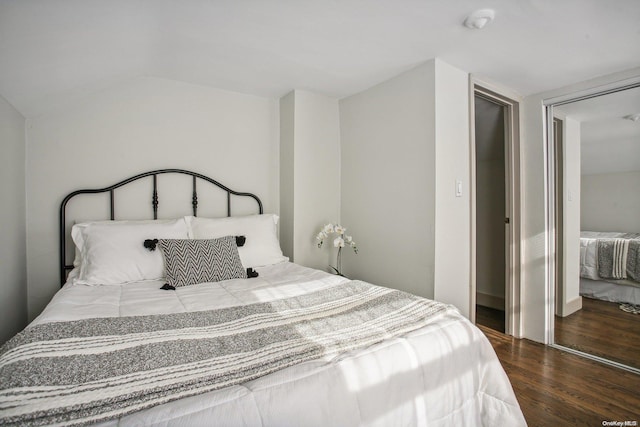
point(339, 261)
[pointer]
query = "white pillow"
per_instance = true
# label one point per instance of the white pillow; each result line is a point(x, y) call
point(262, 246)
point(113, 252)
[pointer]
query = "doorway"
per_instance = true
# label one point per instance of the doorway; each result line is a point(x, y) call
point(491, 202)
point(495, 216)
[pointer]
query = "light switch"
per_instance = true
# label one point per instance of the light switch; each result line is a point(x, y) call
point(458, 188)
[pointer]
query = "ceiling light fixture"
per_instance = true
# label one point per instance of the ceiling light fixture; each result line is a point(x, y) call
point(478, 19)
point(632, 117)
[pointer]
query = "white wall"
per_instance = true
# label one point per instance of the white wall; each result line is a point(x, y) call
point(611, 202)
point(140, 125)
point(535, 258)
point(388, 181)
point(287, 174)
point(533, 292)
point(310, 175)
point(570, 299)
point(13, 270)
point(404, 144)
point(453, 214)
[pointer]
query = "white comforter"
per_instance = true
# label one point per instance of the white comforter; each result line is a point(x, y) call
point(444, 374)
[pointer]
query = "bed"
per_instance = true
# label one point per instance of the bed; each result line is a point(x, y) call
point(597, 260)
point(139, 336)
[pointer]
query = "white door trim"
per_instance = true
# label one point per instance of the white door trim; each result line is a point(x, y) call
point(513, 190)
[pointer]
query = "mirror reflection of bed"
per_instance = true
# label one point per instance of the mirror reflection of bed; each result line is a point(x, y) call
point(598, 286)
point(608, 324)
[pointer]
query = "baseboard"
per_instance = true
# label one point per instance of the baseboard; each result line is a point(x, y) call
point(572, 306)
point(492, 301)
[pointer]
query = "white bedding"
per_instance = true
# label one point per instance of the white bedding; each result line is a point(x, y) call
point(443, 374)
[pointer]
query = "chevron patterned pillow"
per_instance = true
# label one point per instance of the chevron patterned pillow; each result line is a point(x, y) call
point(192, 261)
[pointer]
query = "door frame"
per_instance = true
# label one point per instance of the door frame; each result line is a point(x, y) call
point(513, 190)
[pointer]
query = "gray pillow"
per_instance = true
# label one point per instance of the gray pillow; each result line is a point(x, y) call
point(191, 261)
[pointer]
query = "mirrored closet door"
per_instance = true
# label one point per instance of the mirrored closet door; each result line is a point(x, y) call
point(595, 139)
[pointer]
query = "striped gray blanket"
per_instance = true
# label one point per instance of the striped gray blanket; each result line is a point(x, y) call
point(85, 371)
point(619, 258)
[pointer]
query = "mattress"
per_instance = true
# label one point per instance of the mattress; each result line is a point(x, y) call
point(607, 291)
point(445, 373)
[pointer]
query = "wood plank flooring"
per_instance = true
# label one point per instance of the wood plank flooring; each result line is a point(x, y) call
point(602, 329)
point(490, 317)
point(556, 388)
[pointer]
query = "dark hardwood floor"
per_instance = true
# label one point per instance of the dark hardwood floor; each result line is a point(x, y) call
point(556, 388)
point(602, 329)
point(490, 317)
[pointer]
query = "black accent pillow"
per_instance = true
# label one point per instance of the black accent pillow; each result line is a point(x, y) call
point(151, 244)
point(191, 261)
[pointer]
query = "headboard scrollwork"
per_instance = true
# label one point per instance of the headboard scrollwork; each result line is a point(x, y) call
point(155, 201)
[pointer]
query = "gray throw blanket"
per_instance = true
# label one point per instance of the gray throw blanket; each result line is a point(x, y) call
point(93, 370)
point(619, 258)
point(633, 260)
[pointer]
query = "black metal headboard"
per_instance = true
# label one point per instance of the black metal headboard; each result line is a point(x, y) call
point(64, 267)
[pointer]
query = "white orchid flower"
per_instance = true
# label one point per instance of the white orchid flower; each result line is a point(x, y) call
point(339, 242)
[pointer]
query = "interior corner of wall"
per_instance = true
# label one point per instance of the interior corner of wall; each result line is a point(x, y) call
point(444, 65)
point(287, 97)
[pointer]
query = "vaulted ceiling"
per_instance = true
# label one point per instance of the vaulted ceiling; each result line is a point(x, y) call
point(53, 52)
